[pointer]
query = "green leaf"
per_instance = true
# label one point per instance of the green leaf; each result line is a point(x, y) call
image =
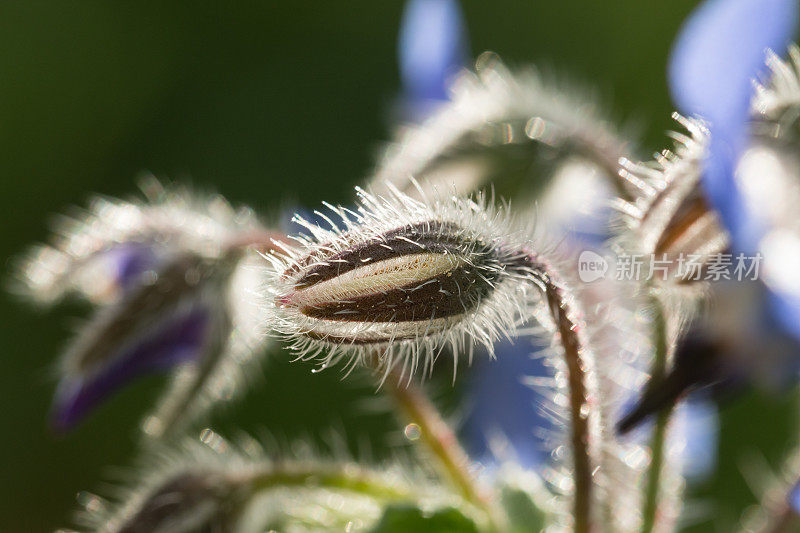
point(405, 518)
point(524, 515)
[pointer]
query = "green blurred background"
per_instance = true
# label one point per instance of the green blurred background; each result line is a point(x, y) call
point(267, 103)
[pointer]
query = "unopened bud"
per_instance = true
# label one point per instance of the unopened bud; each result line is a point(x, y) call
point(401, 272)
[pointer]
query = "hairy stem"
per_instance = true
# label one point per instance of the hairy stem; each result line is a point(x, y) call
point(347, 478)
point(578, 404)
point(441, 442)
point(263, 240)
point(577, 366)
point(657, 443)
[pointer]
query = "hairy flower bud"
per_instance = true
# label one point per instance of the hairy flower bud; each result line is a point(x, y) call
point(171, 281)
point(504, 127)
point(186, 502)
point(215, 486)
point(425, 271)
point(669, 219)
point(405, 278)
point(410, 274)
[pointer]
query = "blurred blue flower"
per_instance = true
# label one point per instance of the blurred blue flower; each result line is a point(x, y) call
point(793, 498)
point(127, 262)
point(506, 421)
point(171, 287)
point(168, 312)
point(699, 423)
point(179, 340)
point(432, 48)
point(716, 57)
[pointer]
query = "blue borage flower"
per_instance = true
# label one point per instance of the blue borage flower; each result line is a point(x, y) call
point(432, 48)
point(711, 77)
point(716, 57)
point(744, 128)
point(672, 217)
point(171, 282)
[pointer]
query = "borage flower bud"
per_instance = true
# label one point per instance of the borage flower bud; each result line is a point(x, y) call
point(215, 485)
point(409, 275)
point(403, 279)
point(669, 219)
point(171, 279)
point(186, 502)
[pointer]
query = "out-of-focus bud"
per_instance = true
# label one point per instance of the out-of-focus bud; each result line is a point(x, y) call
point(175, 319)
point(190, 501)
point(100, 252)
point(669, 219)
point(733, 345)
point(172, 283)
point(212, 486)
point(507, 128)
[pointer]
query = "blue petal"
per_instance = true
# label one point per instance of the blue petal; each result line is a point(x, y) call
point(180, 340)
point(128, 261)
point(697, 424)
point(432, 47)
point(700, 425)
point(793, 499)
point(503, 405)
point(717, 55)
point(720, 50)
point(786, 312)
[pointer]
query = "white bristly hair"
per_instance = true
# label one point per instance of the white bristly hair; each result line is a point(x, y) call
point(525, 288)
point(490, 111)
point(236, 486)
point(170, 219)
point(669, 219)
point(781, 92)
point(187, 234)
point(414, 343)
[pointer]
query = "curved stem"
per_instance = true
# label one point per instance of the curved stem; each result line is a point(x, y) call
point(657, 443)
point(577, 366)
point(578, 398)
point(263, 240)
point(441, 441)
